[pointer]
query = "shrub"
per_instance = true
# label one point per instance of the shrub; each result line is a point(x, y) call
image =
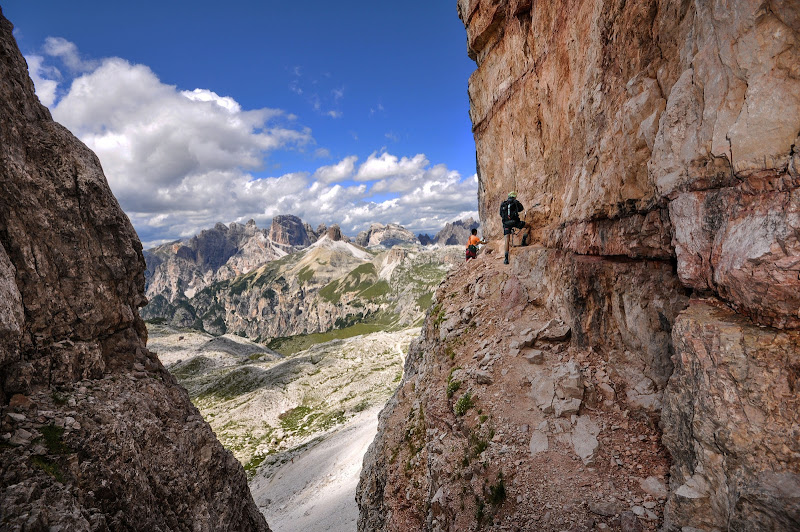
point(463, 404)
point(452, 388)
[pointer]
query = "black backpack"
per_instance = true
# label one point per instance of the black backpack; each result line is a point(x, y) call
point(508, 210)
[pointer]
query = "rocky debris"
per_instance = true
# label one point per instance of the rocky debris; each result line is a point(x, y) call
point(259, 404)
point(554, 331)
point(451, 433)
point(534, 356)
point(96, 435)
point(654, 486)
point(731, 414)
point(584, 439)
point(539, 441)
point(560, 390)
point(385, 235)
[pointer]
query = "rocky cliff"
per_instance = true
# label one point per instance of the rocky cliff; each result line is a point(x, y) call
point(96, 434)
point(179, 269)
point(457, 232)
point(655, 146)
point(385, 235)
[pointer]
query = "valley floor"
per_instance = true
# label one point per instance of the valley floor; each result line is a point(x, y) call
point(316, 489)
point(299, 424)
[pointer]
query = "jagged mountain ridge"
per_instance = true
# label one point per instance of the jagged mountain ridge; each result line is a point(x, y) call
point(329, 285)
point(179, 269)
point(96, 434)
point(453, 233)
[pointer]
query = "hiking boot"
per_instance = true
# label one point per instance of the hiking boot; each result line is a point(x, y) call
point(506, 259)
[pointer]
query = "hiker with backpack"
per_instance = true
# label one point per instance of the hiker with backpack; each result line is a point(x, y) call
point(472, 244)
point(509, 214)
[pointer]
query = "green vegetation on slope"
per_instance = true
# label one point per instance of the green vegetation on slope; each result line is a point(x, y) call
point(289, 345)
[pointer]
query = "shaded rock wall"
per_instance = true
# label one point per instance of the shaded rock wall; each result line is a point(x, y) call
point(656, 147)
point(96, 435)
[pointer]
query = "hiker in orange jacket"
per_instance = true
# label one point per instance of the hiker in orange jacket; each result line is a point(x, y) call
point(472, 244)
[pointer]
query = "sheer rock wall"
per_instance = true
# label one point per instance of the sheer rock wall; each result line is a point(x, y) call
point(96, 435)
point(656, 147)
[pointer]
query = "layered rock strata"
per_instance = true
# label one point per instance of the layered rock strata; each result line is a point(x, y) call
point(385, 235)
point(96, 435)
point(655, 147)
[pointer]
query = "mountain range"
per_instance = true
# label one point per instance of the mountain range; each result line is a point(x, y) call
point(292, 280)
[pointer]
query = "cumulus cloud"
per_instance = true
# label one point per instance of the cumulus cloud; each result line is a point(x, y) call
point(44, 79)
point(336, 172)
point(180, 161)
point(153, 139)
point(68, 53)
point(386, 166)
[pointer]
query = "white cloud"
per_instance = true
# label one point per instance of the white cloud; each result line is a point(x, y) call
point(44, 79)
point(337, 172)
point(386, 165)
point(68, 53)
point(180, 161)
point(152, 137)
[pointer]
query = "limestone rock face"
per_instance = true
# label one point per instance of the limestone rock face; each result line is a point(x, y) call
point(457, 232)
point(331, 284)
point(96, 434)
point(288, 231)
point(742, 243)
point(334, 233)
point(179, 269)
point(385, 235)
point(699, 114)
point(731, 419)
point(654, 146)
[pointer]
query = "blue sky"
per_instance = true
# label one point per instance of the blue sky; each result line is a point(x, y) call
point(345, 112)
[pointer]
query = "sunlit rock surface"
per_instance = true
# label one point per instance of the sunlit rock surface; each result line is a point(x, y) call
point(654, 145)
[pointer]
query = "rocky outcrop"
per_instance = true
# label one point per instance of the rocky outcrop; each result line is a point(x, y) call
point(334, 233)
point(179, 269)
point(654, 145)
point(385, 235)
point(425, 239)
point(453, 233)
point(288, 232)
point(96, 434)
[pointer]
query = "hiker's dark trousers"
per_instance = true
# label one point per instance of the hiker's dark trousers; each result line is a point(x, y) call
point(510, 225)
